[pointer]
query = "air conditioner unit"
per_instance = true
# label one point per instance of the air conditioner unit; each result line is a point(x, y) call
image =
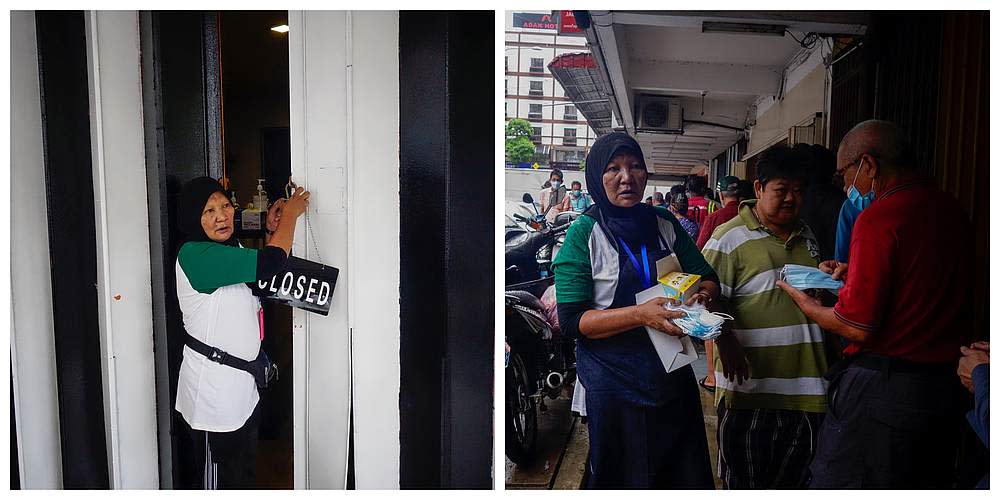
point(660, 114)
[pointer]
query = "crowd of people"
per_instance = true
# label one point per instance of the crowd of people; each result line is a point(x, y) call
point(862, 388)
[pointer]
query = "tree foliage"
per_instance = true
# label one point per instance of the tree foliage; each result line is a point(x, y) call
point(518, 145)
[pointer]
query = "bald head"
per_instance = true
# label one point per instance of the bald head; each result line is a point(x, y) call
point(881, 139)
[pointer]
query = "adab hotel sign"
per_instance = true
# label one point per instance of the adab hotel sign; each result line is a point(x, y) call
point(561, 20)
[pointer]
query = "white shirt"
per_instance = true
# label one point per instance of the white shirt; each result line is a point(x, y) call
point(212, 396)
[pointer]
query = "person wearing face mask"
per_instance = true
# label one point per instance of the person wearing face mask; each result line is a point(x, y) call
point(645, 425)
point(218, 402)
point(553, 195)
point(895, 403)
point(658, 200)
point(576, 200)
point(769, 388)
point(849, 212)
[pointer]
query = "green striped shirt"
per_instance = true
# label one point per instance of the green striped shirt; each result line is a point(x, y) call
point(784, 349)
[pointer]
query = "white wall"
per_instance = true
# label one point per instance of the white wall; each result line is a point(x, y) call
point(344, 77)
point(32, 345)
point(125, 305)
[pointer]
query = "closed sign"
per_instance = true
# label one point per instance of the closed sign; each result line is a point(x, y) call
point(304, 284)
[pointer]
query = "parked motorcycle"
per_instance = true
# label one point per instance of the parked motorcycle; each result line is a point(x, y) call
point(539, 361)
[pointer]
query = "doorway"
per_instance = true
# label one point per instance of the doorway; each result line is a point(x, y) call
point(216, 92)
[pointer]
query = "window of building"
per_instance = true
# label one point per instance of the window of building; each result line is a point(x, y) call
point(570, 113)
point(569, 136)
point(537, 65)
point(534, 111)
point(536, 134)
point(535, 88)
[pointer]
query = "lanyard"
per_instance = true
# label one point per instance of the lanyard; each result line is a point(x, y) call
point(647, 279)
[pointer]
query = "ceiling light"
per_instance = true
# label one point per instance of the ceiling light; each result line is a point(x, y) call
point(281, 29)
point(743, 28)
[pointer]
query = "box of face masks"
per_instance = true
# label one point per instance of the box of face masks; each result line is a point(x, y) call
point(678, 285)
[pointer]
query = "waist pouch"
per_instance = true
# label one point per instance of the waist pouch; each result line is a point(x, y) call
point(263, 370)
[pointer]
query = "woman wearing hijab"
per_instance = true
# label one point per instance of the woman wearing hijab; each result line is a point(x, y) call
point(646, 426)
point(218, 401)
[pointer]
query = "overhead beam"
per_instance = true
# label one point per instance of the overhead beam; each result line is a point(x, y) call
point(846, 23)
point(610, 60)
point(719, 78)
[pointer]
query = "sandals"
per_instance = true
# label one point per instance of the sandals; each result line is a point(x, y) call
point(709, 388)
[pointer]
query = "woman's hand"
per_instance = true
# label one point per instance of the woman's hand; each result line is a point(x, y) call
point(274, 215)
point(653, 314)
point(734, 360)
point(837, 270)
point(297, 204)
point(285, 216)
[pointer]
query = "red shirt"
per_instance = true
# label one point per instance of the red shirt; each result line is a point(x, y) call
point(909, 279)
point(699, 207)
point(716, 219)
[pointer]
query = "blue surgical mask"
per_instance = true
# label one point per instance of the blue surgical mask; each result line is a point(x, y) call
point(807, 278)
point(556, 184)
point(854, 196)
point(698, 321)
point(576, 193)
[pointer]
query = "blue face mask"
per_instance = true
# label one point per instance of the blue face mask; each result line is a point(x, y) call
point(807, 278)
point(854, 196)
point(698, 321)
point(576, 193)
point(556, 184)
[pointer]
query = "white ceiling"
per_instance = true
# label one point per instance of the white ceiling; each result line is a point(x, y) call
point(666, 53)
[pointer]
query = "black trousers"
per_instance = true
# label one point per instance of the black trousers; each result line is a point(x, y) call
point(228, 460)
point(889, 428)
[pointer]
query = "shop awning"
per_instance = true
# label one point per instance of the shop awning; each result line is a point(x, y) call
point(577, 73)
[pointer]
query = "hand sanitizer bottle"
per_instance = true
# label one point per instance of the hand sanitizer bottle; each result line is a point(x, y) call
point(260, 199)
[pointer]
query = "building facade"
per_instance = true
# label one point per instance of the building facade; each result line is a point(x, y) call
point(560, 132)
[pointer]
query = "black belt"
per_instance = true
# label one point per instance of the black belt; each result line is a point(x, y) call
point(899, 365)
point(262, 369)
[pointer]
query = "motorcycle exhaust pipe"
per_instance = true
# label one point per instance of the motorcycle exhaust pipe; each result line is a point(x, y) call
point(554, 380)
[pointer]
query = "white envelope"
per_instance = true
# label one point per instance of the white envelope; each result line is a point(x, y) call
point(674, 352)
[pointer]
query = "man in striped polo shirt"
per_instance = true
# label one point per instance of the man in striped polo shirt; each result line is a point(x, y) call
point(771, 394)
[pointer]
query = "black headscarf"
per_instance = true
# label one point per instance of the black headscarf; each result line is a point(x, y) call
point(635, 225)
point(194, 195)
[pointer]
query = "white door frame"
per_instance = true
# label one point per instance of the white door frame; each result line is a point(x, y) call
point(123, 263)
point(340, 62)
point(32, 337)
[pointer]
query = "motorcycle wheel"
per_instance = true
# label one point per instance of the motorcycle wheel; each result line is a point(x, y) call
point(521, 421)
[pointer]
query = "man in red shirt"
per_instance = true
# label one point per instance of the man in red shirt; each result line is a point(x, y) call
point(699, 207)
point(894, 401)
point(731, 194)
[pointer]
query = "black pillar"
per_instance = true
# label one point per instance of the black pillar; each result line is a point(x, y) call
point(447, 249)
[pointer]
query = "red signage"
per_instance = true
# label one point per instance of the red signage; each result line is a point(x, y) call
point(534, 21)
point(567, 22)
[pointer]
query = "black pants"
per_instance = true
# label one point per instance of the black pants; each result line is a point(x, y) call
point(889, 428)
point(764, 448)
point(228, 460)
